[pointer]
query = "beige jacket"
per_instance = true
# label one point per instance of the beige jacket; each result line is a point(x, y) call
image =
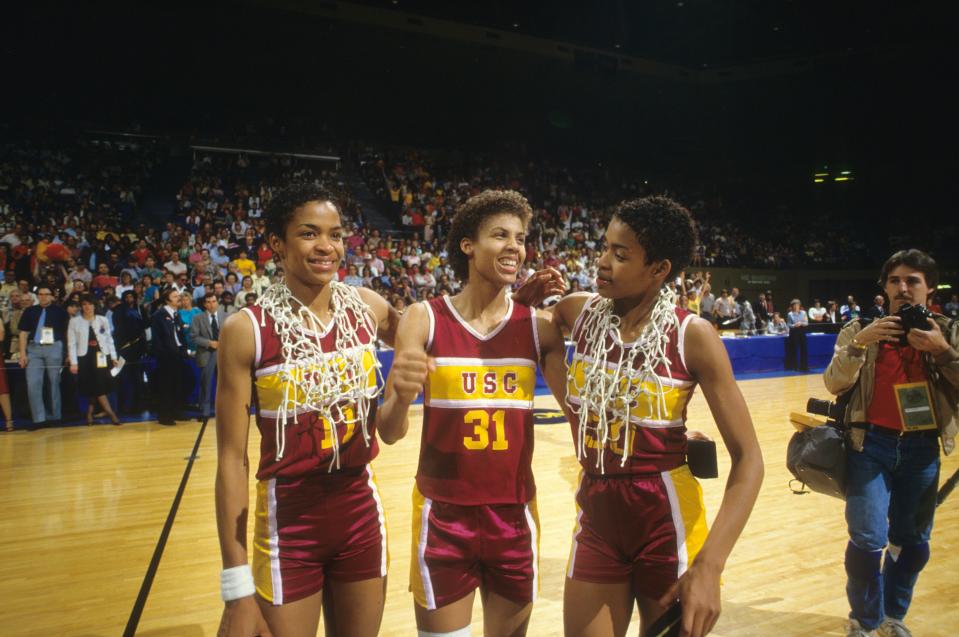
point(848, 363)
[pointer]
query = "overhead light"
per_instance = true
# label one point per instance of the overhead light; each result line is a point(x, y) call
point(843, 179)
point(845, 172)
point(822, 174)
point(819, 180)
point(516, 25)
point(617, 46)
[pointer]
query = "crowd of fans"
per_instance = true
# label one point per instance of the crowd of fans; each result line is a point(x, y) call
point(67, 226)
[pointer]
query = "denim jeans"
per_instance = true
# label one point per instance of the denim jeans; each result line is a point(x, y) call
point(890, 496)
point(44, 360)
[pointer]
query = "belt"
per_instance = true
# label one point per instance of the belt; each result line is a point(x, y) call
point(895, 433)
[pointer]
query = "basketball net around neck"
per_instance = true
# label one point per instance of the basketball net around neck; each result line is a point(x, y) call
point(612, 386)
point(333, 384)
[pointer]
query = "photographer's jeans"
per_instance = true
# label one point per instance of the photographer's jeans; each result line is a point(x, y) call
point(890, 496)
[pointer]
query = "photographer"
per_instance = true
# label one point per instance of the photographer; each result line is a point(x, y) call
point(903, 372)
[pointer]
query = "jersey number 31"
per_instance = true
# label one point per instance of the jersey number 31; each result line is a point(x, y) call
point(480, 418)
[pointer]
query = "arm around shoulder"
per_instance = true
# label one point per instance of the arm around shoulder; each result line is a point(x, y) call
point(386, 316)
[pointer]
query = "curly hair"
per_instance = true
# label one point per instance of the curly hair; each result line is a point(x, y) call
point(285, 202)
point(471, 215)
point(663, 227)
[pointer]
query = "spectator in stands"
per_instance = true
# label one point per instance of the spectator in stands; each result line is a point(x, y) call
point(174, 265)
point(92, 354)
point(797, 320)
point(260, 280)
point(850, 310)
point(103, 279)
point(817, 313)
point(353, 277)
point(797, 316)
point(129, 333)
point(4, 387)
point(205, 332)
point(43, 329)
point(777, 325)
point(250, 299)
point(951, 309)
point(243, 265)
point(878, 309)
point(832, 313)
point(168, 342)
point(185, 314)
point(227, 302)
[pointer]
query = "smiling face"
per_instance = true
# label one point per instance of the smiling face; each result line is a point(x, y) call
point(312, 248)
point(498, 249)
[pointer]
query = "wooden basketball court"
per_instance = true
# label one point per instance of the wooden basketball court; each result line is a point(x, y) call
point(86, 505)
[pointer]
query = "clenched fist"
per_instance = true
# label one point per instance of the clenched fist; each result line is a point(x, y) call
point(408, 374)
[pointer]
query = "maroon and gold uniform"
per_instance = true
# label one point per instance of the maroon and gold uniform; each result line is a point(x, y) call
point(475, 519)
point(642, 520)
point(313, 518)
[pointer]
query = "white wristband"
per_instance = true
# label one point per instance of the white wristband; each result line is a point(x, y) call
point(236, 582)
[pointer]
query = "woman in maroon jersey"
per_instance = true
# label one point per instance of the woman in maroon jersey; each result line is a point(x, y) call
point(640, 535)
point(474, 501)
point(309, 346)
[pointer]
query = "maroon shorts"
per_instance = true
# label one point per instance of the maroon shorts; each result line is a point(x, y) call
point(458, 548)
point(641, 529)
point(315, 527)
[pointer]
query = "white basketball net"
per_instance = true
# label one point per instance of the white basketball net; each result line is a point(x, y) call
point(334, 384)
point(610, 389)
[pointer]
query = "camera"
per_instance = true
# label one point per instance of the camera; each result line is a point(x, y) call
point(913, 317)
point(836, 413)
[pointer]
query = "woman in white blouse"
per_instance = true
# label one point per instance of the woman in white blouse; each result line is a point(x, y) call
point(92, 354)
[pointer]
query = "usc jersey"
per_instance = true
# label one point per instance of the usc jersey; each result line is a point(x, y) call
point(658, 440)
point(309, 439)
point(477, 442)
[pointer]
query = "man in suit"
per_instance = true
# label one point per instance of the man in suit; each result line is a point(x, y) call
point(169, 347)
point(42, 333)
point(205, 330)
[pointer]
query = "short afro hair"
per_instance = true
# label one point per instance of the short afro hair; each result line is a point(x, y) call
point(471, 215)
point(284, 203)
point(663, 227)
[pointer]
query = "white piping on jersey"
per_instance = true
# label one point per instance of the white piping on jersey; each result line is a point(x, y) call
point(324, 357)
point(432, 331)
point(492, 403)
point(256, 337)
point(649, 423)
point(454, 361)
point(681, 345)
point(669, 382)
point(469, 328)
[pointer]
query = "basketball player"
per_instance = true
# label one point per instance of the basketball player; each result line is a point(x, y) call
point(475, 520)
point(308, 345)
point(640, 534)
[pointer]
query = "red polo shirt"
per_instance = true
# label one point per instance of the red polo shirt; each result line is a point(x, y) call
point(895, 365)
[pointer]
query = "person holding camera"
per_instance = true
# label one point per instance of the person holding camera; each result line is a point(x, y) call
point(903, 372)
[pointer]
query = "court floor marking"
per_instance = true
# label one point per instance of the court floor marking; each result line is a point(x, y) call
point(144, 593)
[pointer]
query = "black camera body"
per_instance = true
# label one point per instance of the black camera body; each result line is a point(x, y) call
point(835, 412)
point(913, 317)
